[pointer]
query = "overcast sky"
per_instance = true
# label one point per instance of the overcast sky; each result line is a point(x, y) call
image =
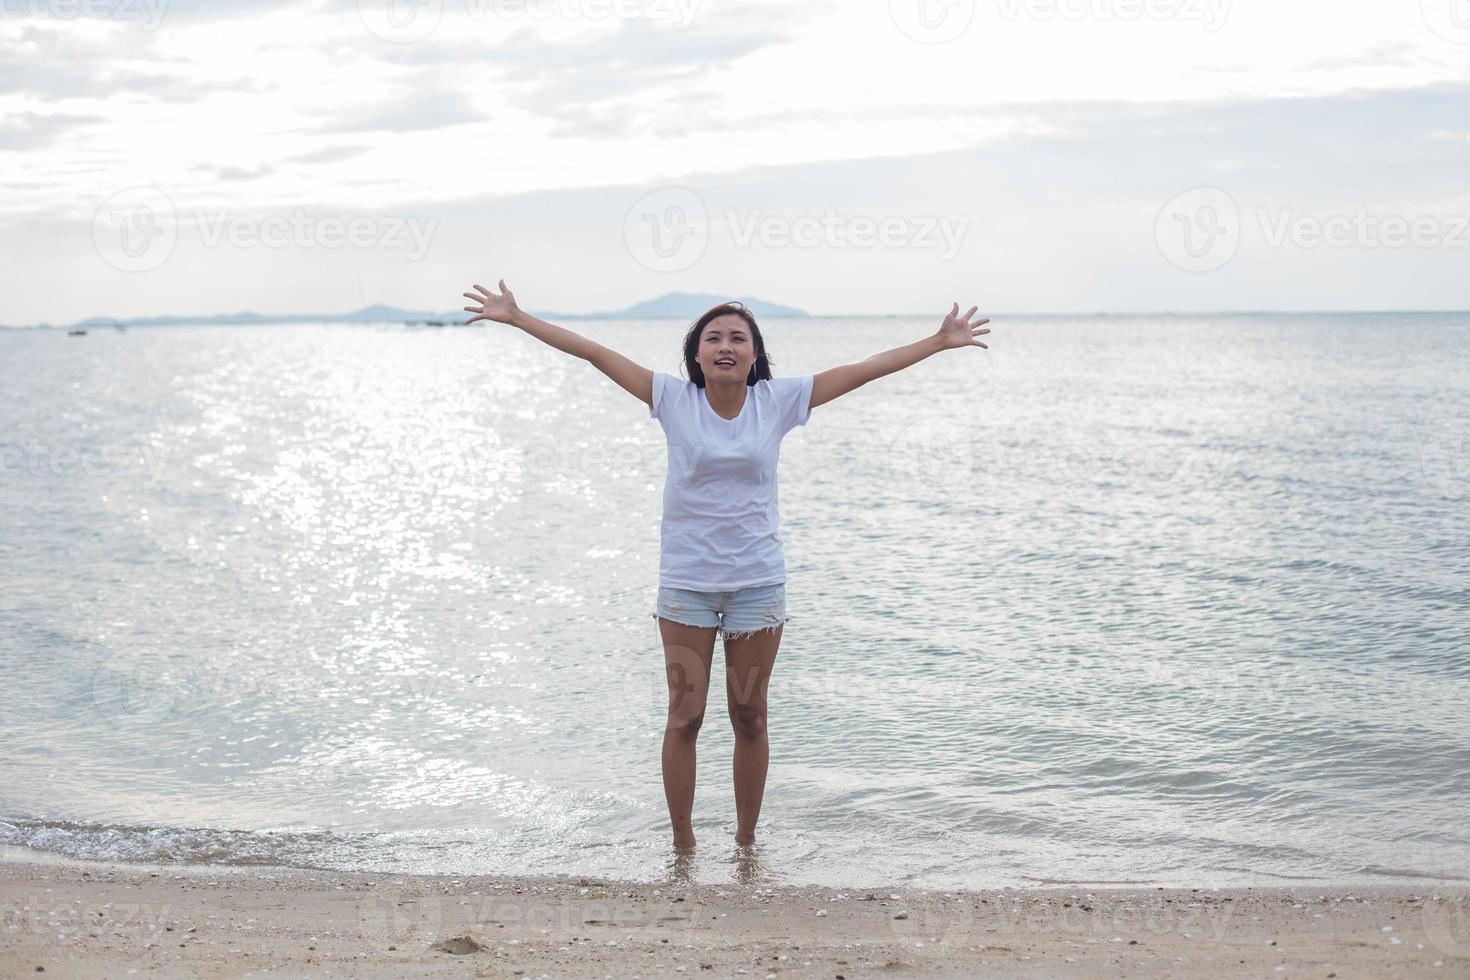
point(861, 157)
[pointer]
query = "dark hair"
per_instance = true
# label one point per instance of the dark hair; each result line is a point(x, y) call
point(760, 370)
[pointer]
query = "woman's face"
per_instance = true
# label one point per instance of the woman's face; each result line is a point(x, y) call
point(726, 349)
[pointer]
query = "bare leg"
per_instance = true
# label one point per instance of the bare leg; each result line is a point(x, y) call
point(748, 662)
point(688, 653)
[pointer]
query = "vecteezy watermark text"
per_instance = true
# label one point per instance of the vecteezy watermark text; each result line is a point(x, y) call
point(667, 230)
point(149, 13)
point(408, 21)
point(136, 230)
point(1201, 229)
point(1363, 229)
point(1210, 13)
point(834, 230)
point(36, 459)
point(303, 230)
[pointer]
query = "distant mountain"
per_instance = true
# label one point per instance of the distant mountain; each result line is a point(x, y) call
point(679, 306)
point(368, 314)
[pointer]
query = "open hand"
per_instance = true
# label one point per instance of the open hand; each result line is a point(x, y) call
point(490, 306)
point(957, 331)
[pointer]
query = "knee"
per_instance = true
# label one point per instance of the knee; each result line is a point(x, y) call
point(685, 725)
point(748, 720)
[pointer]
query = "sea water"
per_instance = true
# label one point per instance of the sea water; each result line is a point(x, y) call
point(1175, 600)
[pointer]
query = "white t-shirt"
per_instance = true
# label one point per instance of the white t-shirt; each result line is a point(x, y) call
point(721, 519)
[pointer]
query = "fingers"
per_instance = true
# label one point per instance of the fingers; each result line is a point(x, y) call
point(969, 314)
point(484, 298)
point(979, 344)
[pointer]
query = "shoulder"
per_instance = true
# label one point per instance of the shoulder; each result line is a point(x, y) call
point(786, 385)
point(673, 386)
point(668, 389)
point(792, 397)
point(789, 389)
point(672, 380)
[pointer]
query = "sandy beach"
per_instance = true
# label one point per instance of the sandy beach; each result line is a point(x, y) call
point(70, 919)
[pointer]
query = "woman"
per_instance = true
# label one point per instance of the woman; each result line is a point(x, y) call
point(721, 567)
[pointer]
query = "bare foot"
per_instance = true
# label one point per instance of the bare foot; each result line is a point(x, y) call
point(747, 840)
point(684, 843)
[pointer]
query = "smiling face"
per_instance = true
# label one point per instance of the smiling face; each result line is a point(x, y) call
point(726, 350)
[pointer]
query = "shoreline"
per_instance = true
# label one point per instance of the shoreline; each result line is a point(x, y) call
point(103, 919)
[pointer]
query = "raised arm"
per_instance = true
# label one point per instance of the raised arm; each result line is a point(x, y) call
point(955, 331)
point(630, 376)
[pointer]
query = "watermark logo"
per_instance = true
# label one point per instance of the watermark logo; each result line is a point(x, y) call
point(303, 230)
point(643, 692)
point(409, 921)
point(413, 452)
point(149, 13)
point(1446, 922)
point(1450, 19)
point(680, 14)
point(1363, 229)
point(1444, 457)
point(408, 21)
point(125, 689)
point(941, 233)
point(667, 230)
point(400, 21)
point(1211, 13)
point(952, 454)
point(673, 696)
point(47, 915)
point(1199, 230)
point(932, 927)
point(136, 229)
point(937, 451)
point(932, 21)
point(459, 922)
point(37, 460)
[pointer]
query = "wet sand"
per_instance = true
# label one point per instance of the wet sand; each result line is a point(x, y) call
point(72, 919)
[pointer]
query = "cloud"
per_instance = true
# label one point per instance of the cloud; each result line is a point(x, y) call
point(30, 130)
point(407, 112)
point(1051, 134)
point(1395, 54)
point(330, 154)
point(51, 62)
point(606, 83)
point(243, 173)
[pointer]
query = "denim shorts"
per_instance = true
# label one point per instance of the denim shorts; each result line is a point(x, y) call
point(737, 613)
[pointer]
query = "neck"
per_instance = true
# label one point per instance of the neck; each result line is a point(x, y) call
point(725, 397)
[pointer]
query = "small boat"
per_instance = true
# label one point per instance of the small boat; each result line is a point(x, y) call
point(76, 333)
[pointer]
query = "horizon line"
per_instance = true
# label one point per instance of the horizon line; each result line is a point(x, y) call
point(286, 318)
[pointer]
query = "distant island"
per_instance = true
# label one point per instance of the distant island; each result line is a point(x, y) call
point(670, 306)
